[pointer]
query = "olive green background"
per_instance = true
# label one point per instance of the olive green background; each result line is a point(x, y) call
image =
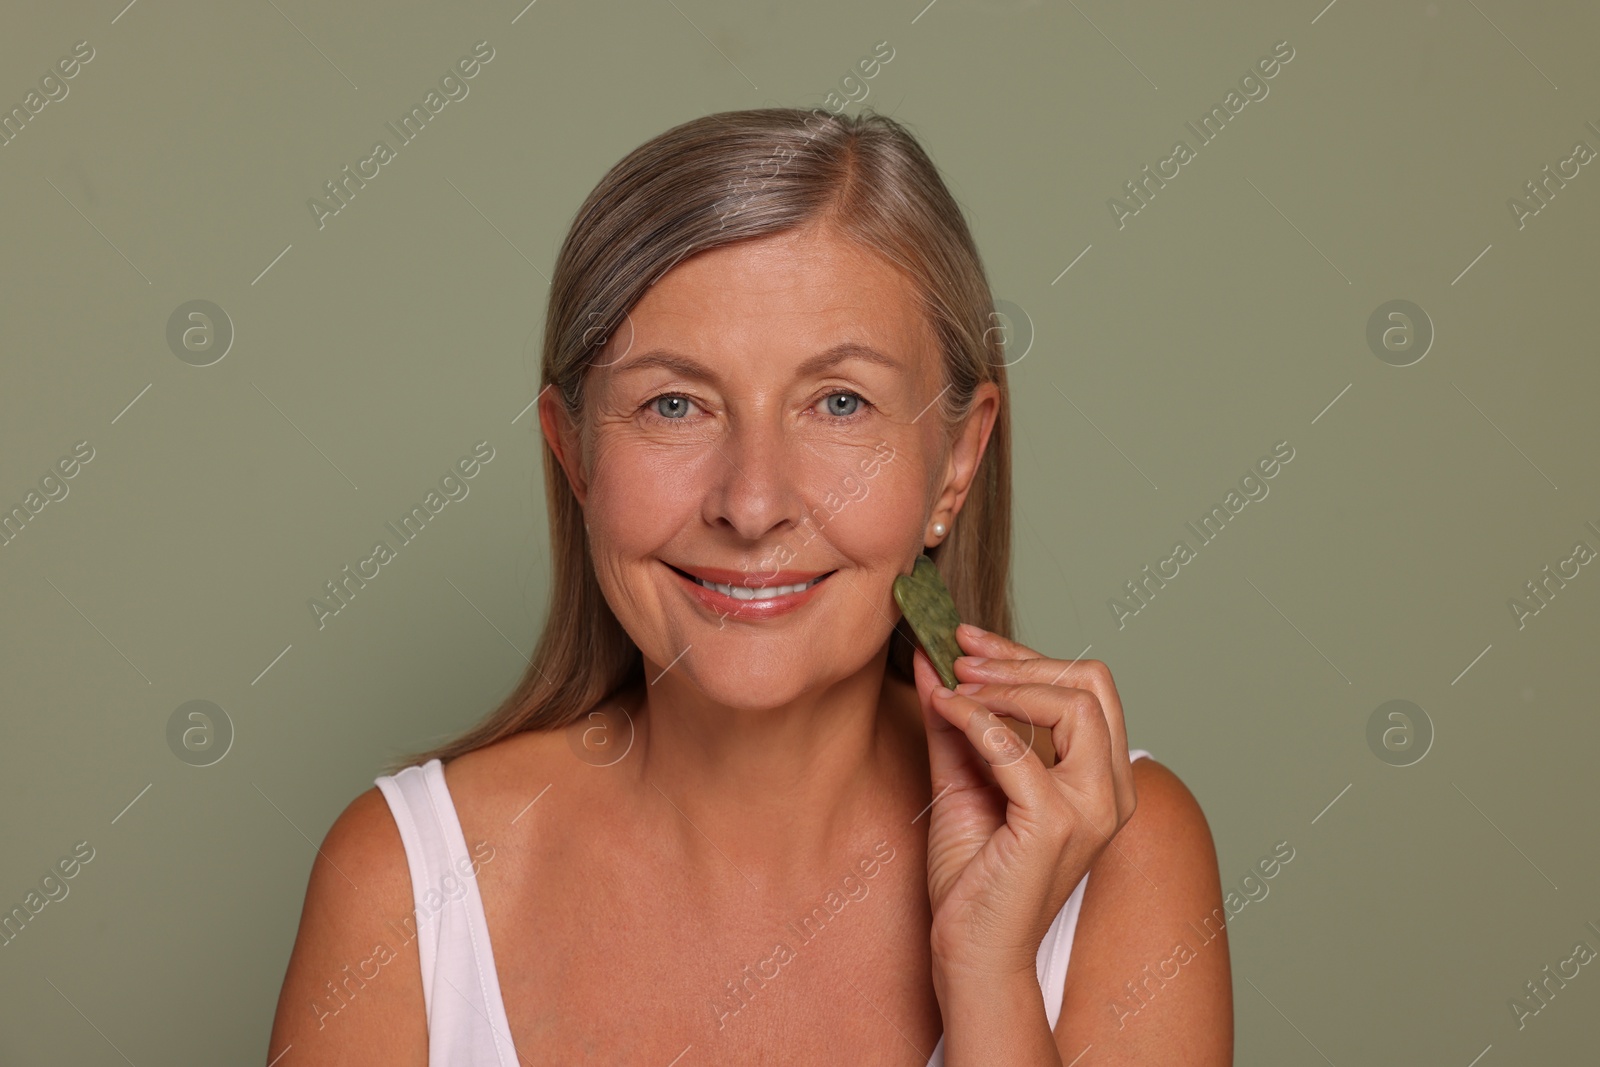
point(1231, 313)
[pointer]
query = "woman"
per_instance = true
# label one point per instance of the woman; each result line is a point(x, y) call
point(730, 815)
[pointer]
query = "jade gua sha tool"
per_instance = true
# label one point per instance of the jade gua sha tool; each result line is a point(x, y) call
point(927, 606)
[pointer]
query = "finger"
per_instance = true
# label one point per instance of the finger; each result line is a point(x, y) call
point(927, 680)
point(950, 760)
point(1090, 674)
point(1042, 669)
point(1017, 769)
point(980, 642)
point(1086, 764)
point(1053, 709)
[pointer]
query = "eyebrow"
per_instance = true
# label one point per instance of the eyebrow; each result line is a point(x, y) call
point(825, 360)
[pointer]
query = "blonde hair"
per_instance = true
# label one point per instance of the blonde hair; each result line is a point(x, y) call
point(705, 183)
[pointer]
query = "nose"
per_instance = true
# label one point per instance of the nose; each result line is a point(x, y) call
point(757, 489)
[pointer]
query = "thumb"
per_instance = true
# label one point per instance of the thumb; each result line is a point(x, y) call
point(952, 762)
point(927, 679)
point(923, 673)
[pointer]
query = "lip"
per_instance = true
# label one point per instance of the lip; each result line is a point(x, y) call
point(723, 576)
point(725, 605)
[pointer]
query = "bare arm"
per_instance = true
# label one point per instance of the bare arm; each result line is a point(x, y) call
point(353, 990)
point(1150, 980)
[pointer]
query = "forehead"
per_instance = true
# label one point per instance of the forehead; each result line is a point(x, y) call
point(786, 296)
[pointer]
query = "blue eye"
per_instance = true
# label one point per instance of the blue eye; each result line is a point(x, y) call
point(833, 409)
point(680, 410)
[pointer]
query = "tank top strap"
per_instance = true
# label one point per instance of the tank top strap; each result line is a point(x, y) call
point(460, 988)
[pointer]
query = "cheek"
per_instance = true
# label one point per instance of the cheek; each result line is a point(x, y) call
point(643, 495)
point(869, 508)
point(640, 492)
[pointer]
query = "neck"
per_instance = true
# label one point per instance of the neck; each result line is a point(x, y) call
point(782, 791)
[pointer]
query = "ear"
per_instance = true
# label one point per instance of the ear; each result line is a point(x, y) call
point(967, 449)
point(564, 439)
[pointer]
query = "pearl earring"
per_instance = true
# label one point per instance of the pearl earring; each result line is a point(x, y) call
point(938, 529)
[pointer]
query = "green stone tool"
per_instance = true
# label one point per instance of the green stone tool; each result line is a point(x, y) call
point(927, 606)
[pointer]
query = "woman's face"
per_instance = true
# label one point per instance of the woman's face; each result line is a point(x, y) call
point(741, 429)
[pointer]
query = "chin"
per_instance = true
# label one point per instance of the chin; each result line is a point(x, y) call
point(747, 687)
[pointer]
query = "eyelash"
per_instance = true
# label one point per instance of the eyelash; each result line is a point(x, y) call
point(649, 407)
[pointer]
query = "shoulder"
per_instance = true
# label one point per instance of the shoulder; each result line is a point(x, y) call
point(332, 995)
point(491, 787)
point(364, 835)
point(360, 868)
point(1163, 855)
point(1166, 814)
point(358, 918)
point(1152, 910)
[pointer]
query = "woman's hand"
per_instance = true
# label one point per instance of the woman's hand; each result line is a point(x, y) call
point(1008, 837)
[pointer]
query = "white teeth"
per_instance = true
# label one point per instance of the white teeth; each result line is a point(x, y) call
point(744, 592)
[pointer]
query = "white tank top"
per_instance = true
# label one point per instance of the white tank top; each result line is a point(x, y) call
point(460, 989)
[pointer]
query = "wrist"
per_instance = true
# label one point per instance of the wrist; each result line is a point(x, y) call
point(989, 981)
point(994, 1018)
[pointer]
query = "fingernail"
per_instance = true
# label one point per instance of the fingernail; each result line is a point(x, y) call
point(969, 687)
point(940, 690)
point(973, 661)
point(975, 631)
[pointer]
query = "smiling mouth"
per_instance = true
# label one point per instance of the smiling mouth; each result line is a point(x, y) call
point(752, 592)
